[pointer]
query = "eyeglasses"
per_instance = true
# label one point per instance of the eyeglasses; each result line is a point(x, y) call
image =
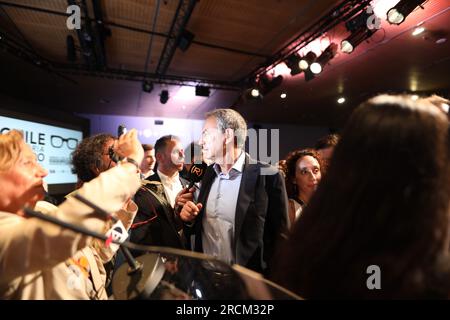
point(57, 142)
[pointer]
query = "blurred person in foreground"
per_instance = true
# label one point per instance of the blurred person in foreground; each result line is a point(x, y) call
point(378, 225)
point(35, 255)
point(325, 147)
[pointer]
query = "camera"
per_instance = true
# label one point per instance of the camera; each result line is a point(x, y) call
point(112, 155)
point(121, 130)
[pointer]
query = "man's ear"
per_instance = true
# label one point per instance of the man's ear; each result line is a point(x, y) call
point(229, 135)
point(96, 169)
point(159, 157)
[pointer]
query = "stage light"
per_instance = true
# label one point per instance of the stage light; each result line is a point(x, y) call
point(323, 59)
point(283, 95)
point(316, 68)
point(308, 73)
point(341, 100)
point(185, 40)
point(267, 84)
point(398, 14)
point(254, 93)
point(202, 91)
point(358, 36)
point(306, 61)
point(147, 86)
point(164, 96)
point(358, 22)
point(292, 63)
point(418, 31)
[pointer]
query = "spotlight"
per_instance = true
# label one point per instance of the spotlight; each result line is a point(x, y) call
point(185, 40)
point(202, 91)
point(397, 14)
point(316, 68)
point(358, 21)
point(309, 75)
point(164, 96)
point(323, 59)
point(341, 100)
point(254, 93)
point(306, 61)
point(266, 84)
point(283, 95)
point(293, 63)
point(147, 86)
point(349, 44)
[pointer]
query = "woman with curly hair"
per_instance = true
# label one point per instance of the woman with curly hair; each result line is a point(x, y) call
point(303, 174)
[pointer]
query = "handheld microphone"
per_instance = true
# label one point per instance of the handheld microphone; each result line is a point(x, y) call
point(196, 173)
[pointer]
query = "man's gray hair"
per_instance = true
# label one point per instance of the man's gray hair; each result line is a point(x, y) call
point(230, 119)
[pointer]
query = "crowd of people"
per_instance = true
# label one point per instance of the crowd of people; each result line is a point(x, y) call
point(375, 195)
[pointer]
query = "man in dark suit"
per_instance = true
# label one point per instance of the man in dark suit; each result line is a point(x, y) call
point(156, 223)
point(241, 214)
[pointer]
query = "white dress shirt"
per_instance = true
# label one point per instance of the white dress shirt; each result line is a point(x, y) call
point(172, 186)
point(218, 238)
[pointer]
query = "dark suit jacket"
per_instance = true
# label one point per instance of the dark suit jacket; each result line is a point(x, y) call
point(261, 219)
point(155, 222)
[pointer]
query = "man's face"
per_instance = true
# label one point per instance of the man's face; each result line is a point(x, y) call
point(105, 161)
point(22, 184)
point(212, 140)
point(172, 156)
point(148, 163)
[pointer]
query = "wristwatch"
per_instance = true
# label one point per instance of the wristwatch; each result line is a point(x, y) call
point(132, 161)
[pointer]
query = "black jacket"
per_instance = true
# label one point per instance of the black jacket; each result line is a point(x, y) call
point(261, 219)
point(155, 222)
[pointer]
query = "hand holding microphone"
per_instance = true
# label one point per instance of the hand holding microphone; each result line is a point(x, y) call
point(190, 210)
point(184, 196)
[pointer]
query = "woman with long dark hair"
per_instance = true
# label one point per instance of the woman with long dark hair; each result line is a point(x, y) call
point(378, 225)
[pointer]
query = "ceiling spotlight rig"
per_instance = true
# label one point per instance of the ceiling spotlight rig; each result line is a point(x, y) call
point(289, 54)
point(359, 19)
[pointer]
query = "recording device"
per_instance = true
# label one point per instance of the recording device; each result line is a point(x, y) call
point(112, 155)
point(196, 173)
point(121, 130)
